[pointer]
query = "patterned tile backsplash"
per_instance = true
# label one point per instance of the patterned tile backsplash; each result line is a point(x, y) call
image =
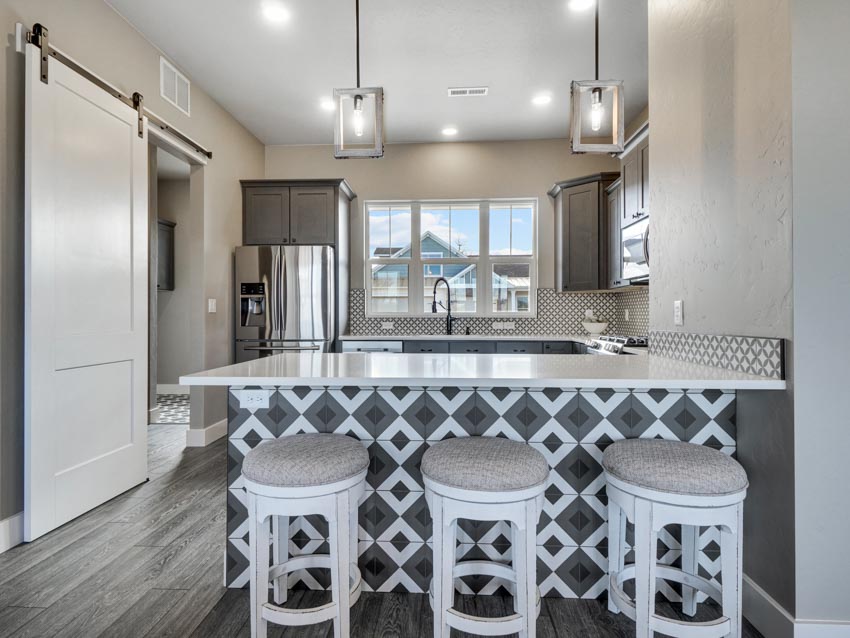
point(570, 427)
point(557, 313)
point(754, 355)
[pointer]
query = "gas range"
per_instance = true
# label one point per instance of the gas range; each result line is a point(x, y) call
point(614, 344)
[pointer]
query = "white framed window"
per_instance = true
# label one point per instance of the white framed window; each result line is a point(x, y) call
point(485, 249)
point(174, 87)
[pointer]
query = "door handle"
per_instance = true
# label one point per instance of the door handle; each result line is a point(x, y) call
point(282, 348)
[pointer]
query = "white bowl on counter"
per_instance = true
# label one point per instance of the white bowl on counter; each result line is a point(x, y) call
point(595, 328)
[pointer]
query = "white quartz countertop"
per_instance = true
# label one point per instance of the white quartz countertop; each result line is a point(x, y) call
point(480, 370)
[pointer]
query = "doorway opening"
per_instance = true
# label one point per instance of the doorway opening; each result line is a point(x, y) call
point(176, 266)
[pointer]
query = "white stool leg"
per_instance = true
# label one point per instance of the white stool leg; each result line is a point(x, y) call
point(524, 547)
point(690, 565)
point(258, 540)
point(731, 564)
point(437, 542)
point(645, 548)
point(353, 529)
point(339, 546)
point(616, 546)
point(280, 554)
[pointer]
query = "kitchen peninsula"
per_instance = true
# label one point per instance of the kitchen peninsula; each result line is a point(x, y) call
point(567, 406)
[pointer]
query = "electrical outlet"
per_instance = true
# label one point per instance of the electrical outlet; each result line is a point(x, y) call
point(254, 399)
point(627, 314)
point(387, 325)
point(678, 313)
point(504, 325)
point(211, 306)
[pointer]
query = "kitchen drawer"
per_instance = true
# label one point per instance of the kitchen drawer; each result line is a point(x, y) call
point(519, 347)
point(426, 346)
point(558, 347)
point(479, 347)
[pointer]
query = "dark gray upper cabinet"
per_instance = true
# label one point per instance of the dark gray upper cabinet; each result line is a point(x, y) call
point(614, 208)
point(304, 212)
point(634, 166)
point(165, 255)
point(312, 216)
point(581, 233)
point(266, 215)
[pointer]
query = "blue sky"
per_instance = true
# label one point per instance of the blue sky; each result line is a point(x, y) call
point(456, 225)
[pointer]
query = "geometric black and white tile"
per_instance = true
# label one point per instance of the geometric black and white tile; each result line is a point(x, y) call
point(558, 313)
point(172, 408)
point(754, 355)
point(396, 425)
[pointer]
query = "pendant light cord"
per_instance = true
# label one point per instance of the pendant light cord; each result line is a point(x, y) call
point(357, 24)
point(595, 43)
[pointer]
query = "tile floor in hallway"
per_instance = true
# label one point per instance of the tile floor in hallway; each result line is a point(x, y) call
point(149, 563)
point(172, 408)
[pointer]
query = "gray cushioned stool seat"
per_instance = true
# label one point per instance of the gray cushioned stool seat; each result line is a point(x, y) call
point(304, 460)
point(674, 467)
point(485, 463)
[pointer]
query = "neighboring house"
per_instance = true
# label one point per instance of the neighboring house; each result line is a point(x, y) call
point(390, 281)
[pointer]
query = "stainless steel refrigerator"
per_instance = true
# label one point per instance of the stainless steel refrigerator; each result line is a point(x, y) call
point(284, 300)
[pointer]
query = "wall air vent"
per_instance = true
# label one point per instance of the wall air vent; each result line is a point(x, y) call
point(174, 86)
point(468, 91)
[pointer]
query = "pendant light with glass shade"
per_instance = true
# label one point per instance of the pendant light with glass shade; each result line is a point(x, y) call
point(597, 121)
point(359, 129)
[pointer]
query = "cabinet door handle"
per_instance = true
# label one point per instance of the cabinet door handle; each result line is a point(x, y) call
point(284, 241)
point(294, 240)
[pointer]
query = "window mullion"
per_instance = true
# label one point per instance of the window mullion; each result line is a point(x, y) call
point(484, 274)
point(415, 272)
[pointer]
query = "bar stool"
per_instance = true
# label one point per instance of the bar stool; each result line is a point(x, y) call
point(298, 475)
point(485, 479)
point(654, 483)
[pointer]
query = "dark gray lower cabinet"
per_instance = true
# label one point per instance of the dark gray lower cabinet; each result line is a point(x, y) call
point(519, 347)
point(480, 347)
point(426, 346)
point(559, 347)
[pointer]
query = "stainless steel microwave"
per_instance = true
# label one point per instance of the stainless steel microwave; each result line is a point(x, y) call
point(634, 249)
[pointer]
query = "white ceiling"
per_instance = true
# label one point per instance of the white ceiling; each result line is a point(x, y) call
point(271, 77)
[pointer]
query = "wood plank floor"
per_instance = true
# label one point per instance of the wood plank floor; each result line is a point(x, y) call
point(149, 563)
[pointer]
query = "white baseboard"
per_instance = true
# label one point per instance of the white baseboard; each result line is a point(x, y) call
point(171, 388)
point(201, 437)
point(11, 531)
point(773, 621)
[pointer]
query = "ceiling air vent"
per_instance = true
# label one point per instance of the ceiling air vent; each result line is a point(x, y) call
point(468, 91)
point(174, 86)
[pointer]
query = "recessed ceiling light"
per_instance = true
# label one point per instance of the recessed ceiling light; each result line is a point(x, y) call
point(275, 12)
point(449, 131)
point(327, 104)
point(581, 5)
point(541, 100)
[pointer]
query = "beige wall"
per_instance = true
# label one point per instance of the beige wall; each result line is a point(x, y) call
point(720, 194)
point(174, 354)
point(446, 171)
point(100, 39)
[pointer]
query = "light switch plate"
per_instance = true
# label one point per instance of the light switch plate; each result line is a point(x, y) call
point(504, 325)
point(211, 306)
point(627, 314)
point(254, 399)
point(387, 325)
point(678, 313)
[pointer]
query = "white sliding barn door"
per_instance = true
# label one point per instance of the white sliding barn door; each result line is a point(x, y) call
point(86, 350)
